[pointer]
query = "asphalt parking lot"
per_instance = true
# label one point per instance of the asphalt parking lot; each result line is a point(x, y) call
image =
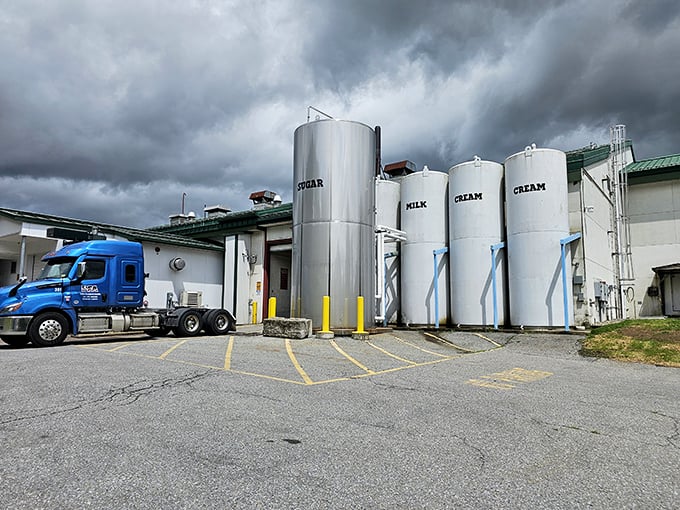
point(407, 419)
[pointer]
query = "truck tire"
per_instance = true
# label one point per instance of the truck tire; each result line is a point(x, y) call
point(15, 340)
point(48, 329)
point(218, 322)
point(189, 324)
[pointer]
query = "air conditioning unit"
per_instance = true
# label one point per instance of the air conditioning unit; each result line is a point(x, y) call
point(191, 298)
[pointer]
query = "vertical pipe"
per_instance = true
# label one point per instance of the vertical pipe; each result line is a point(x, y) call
point(271, 312)
point(22, 257)
point(254, 317)
point(435, 282)
point(563, 243)
point(494, 249)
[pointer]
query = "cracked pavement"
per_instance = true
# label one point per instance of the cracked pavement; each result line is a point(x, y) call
point(84, 427)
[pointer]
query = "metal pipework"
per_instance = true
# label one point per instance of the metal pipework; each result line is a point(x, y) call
point(563, 242)
point(435, 282)
point(494, 248)
point(309, 108)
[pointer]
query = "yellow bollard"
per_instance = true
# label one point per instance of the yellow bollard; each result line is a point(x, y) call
point(360, 316)
point(254, 319)
point(272, 307)
point(326, 315)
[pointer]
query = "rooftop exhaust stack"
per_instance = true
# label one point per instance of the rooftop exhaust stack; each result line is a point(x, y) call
point(265, 199)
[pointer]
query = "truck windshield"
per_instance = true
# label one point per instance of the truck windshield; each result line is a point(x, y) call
point(56, 268)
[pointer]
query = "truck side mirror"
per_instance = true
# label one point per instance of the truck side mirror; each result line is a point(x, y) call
point(80, 271)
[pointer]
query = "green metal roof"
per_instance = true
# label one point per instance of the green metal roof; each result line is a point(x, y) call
point(133, 234)
point(659, 163)
point(587, 156)
point(658, 169)
point(231, 223)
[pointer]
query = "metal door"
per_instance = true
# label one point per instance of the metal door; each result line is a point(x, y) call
point(675, 293)
point(279, 279)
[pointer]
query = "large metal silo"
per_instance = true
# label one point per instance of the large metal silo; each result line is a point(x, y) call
point(387, 200)
point(424, 220)
point(333, 215)
point(537, 218)
point(475, 224)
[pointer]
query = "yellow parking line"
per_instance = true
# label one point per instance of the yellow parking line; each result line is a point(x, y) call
point(227, 356)
point(165, 354)
point(488, 384)
point(419, 348)
point(447, 342)
point(297, 365)
point(391, 355)
point(350, 358)
point(119, 347)
point(487, 339)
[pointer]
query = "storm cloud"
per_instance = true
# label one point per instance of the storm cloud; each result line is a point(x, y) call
point(111, 110)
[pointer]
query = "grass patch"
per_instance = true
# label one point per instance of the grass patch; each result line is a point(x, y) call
point(643, 341)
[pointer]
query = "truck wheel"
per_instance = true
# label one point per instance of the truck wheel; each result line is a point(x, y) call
point(218, 322)
point(15, 340)
point(48, 329)
point(189, 324)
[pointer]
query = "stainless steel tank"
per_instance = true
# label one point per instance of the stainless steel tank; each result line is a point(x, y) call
point(333, 221)
point(537, 218)
point(424, 220)
point(476, 223)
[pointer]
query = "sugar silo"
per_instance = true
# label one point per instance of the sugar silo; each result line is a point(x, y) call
point(537, 218)
point(387, 200)
point(424, 220)
point(475, 224)
point(333, 214)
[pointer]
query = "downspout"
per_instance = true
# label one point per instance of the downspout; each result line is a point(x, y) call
point(435, 282)
point(494, 249)
point(22, 257)
point(563, 242)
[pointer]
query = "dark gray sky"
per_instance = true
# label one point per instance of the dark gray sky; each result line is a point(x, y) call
point(110, 110)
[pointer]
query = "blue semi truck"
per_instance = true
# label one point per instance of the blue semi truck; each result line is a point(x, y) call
point(95, 287)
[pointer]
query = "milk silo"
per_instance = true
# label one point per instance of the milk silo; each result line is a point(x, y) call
point(424, 220)
point(333, 214)
point(387, 200)
point(537, 218)
point(476, 223)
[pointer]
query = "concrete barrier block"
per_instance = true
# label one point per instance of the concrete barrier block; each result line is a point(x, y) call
point(287, 328)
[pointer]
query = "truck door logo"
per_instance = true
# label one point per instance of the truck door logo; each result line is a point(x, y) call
point(89, 293)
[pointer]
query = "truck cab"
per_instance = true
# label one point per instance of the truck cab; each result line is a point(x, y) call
point(93, 287)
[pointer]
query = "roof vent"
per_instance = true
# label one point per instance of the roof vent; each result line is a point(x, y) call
point(178, 219)
point(264, 199)
point(216, 211)
point(400, 168)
